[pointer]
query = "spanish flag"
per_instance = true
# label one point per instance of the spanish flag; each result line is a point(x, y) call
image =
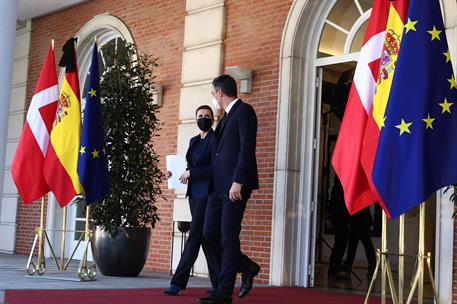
point(352, 160)
point(386, 71)
point(61, 161)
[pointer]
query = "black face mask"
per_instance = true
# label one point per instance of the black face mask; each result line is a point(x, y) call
point(204, 123)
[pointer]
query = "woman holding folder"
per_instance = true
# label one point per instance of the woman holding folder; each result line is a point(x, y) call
point(198, 179)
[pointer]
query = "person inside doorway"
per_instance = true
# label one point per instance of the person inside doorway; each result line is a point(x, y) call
point(340, 219)
point(360, 227)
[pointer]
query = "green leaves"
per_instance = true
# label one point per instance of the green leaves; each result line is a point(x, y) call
point(130, 125)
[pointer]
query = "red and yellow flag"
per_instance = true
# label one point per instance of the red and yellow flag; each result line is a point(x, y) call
point(386, 72)
point(61, 161)
point(353, 138)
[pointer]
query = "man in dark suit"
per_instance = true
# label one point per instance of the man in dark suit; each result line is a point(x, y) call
point(234, 177)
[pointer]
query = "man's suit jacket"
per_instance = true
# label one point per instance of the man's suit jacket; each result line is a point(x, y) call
point(235, 160)
point(199, 163)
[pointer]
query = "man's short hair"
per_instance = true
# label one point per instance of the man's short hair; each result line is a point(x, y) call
point(205, 107)
point(227, 84)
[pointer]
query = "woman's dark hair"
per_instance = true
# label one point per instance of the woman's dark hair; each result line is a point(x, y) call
point(226, 84)
point(205, 107)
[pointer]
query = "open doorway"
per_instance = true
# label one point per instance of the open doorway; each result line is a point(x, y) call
point(336, 80)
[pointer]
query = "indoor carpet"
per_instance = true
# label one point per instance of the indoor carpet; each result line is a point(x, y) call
point(260, 295)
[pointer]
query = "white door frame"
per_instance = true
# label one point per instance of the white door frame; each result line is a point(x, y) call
point(294, 157)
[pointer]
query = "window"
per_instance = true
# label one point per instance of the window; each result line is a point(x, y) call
point(345, 28)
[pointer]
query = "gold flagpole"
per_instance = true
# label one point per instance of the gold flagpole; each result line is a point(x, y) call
point(401, 258)
point(420, 299)
point(41, 263)
point(62, 241)
point(382, 257)
point(85, 272)
point(419, 275)
point(383, 260)
point(86, 233)
point(422, 259)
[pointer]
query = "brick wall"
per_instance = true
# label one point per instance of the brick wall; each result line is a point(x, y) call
point(253, 37)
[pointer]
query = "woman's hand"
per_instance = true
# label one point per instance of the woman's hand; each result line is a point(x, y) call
point(184, 177)
point(168, 174)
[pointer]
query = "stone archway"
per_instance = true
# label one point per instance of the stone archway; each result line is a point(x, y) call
point(294, 155)
point(291, 226)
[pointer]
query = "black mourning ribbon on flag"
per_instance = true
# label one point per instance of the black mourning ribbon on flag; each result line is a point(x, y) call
point(68, 58)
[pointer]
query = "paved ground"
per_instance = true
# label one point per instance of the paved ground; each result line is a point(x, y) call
point(14, 276)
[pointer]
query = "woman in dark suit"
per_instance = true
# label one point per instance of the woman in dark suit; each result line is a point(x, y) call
point(198, 178)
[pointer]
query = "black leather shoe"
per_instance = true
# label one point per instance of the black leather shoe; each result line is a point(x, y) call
point(215, 300)
point(247, 279)
point(173, 290)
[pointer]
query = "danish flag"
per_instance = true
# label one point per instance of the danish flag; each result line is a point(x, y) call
point(27, 166)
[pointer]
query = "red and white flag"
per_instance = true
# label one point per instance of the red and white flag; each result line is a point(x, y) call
point(27, 166)
point(347, 154)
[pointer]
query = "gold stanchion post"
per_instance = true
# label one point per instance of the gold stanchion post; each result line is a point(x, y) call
point(421, 259)
point(383, 263)
point(41, 262)
point(421, 250)
point(383, 260)
point(62, 241)
point(85, 272)
point(419, 276)
point(401, 258)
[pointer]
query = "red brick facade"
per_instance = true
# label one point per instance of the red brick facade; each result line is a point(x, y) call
point(253, 38)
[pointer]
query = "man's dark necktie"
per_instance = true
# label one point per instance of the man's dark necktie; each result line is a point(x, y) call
point(221, 123)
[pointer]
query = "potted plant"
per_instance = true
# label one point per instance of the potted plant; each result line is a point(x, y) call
point(124, 218)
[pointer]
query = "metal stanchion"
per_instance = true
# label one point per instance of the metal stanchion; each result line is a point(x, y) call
point(421, 251)
point(401, 258)
point(430, 273)
point(40, 236)
point(85, 272)
point(41, 267)
point(421, 259)
point(383, 262)
point(62, 240)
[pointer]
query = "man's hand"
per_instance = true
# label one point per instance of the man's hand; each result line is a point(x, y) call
point(235, 192)
point(184, 178)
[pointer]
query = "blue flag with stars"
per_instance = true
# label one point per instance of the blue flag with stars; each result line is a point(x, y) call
point(417, 148)
point(92, 163)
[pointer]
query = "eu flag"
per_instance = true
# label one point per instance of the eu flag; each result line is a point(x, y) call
point(417, 149)
point(92, 163)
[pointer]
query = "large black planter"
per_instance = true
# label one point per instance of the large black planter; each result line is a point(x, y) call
point(124, 254)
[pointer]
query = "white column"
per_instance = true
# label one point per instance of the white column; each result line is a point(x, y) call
point(202, 60)
point(7, 43)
